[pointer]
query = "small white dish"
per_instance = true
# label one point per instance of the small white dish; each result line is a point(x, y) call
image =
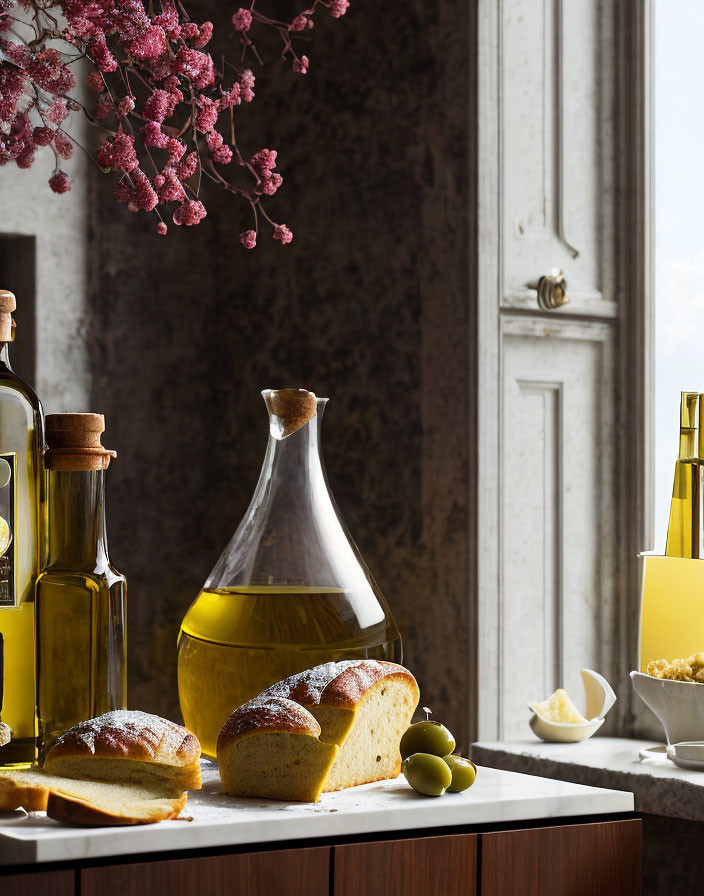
point(599, 700)
point(678, 705)
point(657, 752)
point(688, 755)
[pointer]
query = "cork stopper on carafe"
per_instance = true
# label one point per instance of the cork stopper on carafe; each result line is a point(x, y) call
point(8, 304)
point(290, 409)
point(73, 442)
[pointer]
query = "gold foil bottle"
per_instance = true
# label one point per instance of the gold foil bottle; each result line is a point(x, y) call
point(22, 506)
point(289, 592)
point(81, 598)
point(683, 528)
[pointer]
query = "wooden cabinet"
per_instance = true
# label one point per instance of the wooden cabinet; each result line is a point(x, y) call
point(39, 883)
point(423, 866)
point(587, 859)
point(291, 872)
point(583, 859)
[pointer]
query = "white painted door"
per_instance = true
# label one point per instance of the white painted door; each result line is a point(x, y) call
point(547, 419)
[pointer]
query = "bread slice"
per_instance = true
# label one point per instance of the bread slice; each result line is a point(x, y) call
point(5, 734)
point(88, 802)
point(270, 747)
point(128, 746)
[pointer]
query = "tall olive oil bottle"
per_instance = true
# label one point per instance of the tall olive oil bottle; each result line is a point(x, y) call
point(684, 523)
point(22, 508)
point(81, 597)
point(290, 591)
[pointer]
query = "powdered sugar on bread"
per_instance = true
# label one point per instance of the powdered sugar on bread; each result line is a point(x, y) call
point(129, 734)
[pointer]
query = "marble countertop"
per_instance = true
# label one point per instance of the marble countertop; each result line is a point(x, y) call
point(217, 820)
point(659, 787)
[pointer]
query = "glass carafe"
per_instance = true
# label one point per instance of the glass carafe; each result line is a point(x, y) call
point(290, 590)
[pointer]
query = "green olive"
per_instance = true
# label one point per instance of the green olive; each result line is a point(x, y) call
point(427, 737)
point(464, 773)
point(427, 774)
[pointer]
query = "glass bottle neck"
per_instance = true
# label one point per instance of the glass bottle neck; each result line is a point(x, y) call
point(77, 538)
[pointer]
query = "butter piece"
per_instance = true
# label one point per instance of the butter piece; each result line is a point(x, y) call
point(559, 708)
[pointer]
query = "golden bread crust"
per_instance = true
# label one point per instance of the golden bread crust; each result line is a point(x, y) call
point(74, 810)
point(128, 734)
point(340, 684)
point(272, 714)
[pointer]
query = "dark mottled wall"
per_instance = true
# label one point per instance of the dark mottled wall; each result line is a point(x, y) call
point(368, 305)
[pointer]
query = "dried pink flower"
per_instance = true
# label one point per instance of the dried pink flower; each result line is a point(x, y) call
point(103, 107)
point(282, 233)
point(161, 228)
point(301, 65)
point(249, 239)
point(338, 8)
point(149, 45)
point(300, 23)
point(118, 152)
point(95, 82)
point(125, 105)
point(56, 112)
point(42, 136)
point(208, 111)
point(187, 167)
point(190, 213)
point(60, 182)
point(63, 144)
point(204, 34)
point(242, 20)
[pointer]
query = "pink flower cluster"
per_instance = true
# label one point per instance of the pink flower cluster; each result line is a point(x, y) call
point(168, 111)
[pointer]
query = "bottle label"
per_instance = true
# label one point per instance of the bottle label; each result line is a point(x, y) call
point(8, 466)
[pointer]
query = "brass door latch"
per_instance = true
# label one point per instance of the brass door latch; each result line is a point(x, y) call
point(552, 291)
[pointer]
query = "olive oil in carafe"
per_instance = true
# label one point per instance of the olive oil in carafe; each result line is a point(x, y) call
point(236, 641)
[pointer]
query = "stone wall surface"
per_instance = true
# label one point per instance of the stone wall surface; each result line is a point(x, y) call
point(368, 305)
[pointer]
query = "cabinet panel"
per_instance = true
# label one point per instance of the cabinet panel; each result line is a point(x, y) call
point(601, 859)
point(40, 883)
point(425, 866)
point(294, 872)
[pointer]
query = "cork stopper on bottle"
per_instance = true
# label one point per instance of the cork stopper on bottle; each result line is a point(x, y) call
point(73, 442)
point(7, 306)
point(290, 409)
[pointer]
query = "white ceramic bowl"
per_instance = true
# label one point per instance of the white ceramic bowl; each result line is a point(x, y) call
point(678, 705)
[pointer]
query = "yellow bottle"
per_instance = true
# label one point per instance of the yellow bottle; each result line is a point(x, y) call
point(683, 527)
point(289, 592)
point(22, 507)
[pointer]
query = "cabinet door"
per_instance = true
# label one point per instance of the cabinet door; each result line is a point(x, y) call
point(40, 883)
point(294, 872)
point(426, 866)
point(601, 859)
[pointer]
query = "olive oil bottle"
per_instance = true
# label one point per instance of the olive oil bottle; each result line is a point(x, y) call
point(22, 506)
point(684, 522)
point(289, 592)
point(81, 597)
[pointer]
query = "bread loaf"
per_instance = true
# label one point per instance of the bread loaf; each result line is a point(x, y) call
point(5, 734)
point(128, 745)
point(361, 707)
point(121, 768)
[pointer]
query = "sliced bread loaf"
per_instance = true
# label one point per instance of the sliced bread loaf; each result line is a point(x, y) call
point(357, 709)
